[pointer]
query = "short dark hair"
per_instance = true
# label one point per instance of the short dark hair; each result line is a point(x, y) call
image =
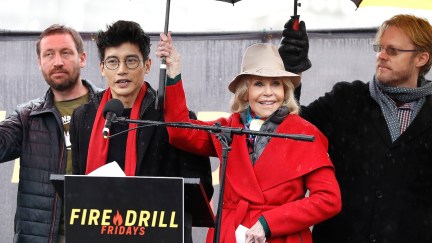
point(120, 32)
point(61, 29)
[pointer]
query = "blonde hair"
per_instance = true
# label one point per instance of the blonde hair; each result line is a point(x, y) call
point(239, 101)
point(419, 30)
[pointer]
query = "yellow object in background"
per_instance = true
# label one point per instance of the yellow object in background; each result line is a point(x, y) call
point(211, 115)
point(417, 4)
point(15, 173)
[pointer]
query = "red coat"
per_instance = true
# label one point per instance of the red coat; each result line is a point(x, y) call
point(275, 186)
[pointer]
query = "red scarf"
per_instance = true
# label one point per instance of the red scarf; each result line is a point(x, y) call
point(98, 147)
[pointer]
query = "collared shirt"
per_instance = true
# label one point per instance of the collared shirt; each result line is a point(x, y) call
point(404, 113)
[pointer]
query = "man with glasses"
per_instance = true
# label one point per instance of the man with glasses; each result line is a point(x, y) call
point(380, 137)
point(38, 133)
point(124, 54)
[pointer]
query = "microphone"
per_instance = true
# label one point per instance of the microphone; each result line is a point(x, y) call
point(112, 109)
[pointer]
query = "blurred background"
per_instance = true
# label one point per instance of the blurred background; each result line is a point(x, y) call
point(193, 15)
point(211, 36)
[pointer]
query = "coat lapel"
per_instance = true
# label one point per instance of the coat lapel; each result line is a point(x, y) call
point(277, 166)
point(240, 172)
point(421, 123)
point(145, 134)
point(378, 120)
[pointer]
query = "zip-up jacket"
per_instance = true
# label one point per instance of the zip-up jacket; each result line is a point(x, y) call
point(34, 133)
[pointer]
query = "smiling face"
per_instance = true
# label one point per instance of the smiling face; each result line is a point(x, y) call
point(125, 83)
point(265, 95)
point(60, 61)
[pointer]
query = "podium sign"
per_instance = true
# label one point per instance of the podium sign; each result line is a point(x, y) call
point(123, 209)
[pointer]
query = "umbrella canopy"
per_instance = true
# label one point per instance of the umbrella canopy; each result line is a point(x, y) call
point(229, 1)
point(417, 4)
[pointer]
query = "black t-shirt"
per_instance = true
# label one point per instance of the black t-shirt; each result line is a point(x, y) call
point(117, 144)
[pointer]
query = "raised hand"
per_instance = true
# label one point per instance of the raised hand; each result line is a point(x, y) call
point(167, 49)
point(294, 48)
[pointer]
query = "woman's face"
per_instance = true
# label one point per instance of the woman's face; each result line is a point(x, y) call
point(265, 95)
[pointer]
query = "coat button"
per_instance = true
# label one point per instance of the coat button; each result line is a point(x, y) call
point(379, 194)
point(388, 154)
point(372, 238)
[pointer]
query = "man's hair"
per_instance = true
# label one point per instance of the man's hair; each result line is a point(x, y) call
point(239, 101)
point(120, 32)
point(61, 29)
point(419, 30)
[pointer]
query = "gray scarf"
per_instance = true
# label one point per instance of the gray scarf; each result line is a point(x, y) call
point(384, 96)
point(270, 125)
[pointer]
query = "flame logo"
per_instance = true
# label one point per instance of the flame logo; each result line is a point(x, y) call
point(118, 219)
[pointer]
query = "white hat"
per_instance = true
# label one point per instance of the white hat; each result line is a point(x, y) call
point(263, 60)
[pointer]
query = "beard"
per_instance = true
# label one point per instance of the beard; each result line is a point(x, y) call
point(63, 84)
point(394, 78)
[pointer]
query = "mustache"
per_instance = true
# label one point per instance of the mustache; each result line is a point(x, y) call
point(383, 65)
point(58, 70)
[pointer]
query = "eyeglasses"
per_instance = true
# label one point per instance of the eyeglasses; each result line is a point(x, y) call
point(112, 63)
point(391, 51)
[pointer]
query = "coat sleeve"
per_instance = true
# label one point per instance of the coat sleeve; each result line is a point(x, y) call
point(191, 140)
point(196, 166)
point(324, 201)
point(309, 168)
point(11, 135)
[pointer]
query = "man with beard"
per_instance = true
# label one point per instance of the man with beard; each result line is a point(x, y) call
point(37, 132)
point(380, 137)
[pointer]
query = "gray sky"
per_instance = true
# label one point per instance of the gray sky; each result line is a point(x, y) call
point(192, 15)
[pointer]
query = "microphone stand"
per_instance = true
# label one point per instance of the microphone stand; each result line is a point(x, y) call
point(224, 135)
point(225, 138)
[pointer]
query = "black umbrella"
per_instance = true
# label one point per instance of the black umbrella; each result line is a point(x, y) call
point(229, 1)
point(356, 2)
point(162, 74)
point(296, 17)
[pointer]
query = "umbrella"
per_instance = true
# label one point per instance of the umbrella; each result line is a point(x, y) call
point(418, 4)
point(159, 104)
point(296, 17)
point(229, 1)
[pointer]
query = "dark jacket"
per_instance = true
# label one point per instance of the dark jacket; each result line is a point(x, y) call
point(155, 156)
point(34, 133)
point(386, 186)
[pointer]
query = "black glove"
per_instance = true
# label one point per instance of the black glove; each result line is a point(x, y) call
point(294, 48)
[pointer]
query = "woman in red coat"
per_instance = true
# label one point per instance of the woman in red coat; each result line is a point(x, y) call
point(266, 178)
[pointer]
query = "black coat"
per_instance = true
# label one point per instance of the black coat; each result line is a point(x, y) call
point(34, 133)
point(386, 186)
point(155, 156)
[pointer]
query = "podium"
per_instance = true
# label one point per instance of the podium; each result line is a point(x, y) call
point(130, 209)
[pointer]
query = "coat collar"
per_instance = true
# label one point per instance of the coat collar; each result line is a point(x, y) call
point(421, 122)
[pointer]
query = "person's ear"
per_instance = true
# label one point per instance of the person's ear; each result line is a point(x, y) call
point(147, 65)
point(102, 69)
point(83, 59)
point(423, 59)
